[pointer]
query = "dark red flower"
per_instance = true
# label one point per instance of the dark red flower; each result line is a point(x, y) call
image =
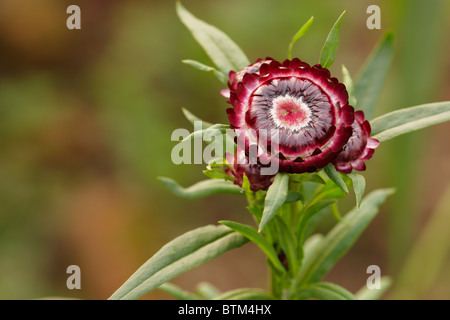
point(302, 107)
point(235, 77)
point(360, 147)
point(239, 165)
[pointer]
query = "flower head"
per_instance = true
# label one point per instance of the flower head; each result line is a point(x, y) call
point(360, 147)
point(240, 164)
point(294, 112)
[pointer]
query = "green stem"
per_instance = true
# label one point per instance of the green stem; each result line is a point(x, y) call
point(294, 186)
point(283, 233)
point(275, 283)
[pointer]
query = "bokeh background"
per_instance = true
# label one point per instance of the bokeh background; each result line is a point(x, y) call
point(86, 118)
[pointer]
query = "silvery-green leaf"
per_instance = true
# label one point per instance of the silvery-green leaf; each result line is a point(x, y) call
point(410, 119)
point(328, 53)
point(225, 54)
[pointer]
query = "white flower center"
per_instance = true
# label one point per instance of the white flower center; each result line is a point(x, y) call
point(290, 112)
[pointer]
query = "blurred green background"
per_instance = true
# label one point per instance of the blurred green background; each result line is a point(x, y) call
point(86, 118)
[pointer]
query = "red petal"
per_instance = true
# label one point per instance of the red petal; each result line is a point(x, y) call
point(372, 143)
point(359, 116)
point(225, 93)
point(359, 165)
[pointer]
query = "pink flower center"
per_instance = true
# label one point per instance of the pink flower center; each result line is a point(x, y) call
point(290, 112)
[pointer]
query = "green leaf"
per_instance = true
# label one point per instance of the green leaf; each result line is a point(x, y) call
point(225, 54)
point(340, 239)
point(255, 210)
point(216, 162)
point(251, 234)
point(369, 84)
point(308, 213)
point(336, 213)
point(293, 196)
point(348, 82)
point(201, 189)
point(203, 67)
point(335, 177)
point(289, 244)
point(328, 192)
point(245, 294)
point(374, 294)
point(246, 184)
point(315, 220)
point(207, 290)
point(193, 118)
point(328, 53)
point(359, 185)
point(220, 128)
point(410, 119)
point(177, 292)
point(217, 174)
point(310, 247)
point(300, 33)
point(324, 291)
point(307, 177)
point(276, 195)
point(179, 255)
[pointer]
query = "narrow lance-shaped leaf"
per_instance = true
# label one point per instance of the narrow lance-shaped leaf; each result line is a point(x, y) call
point(217, 174)
point(245, 294)
point(329, 191)
point(348, 82)
point(179, 255)
point(307, 177)
point(410, 119)
point(328, 53)
point(214, 129)
point(315, 221)
point(192, 118)
point(324, 291)
point(257, 239)
point(203, 67)
point(275, 197)
point(359, 185)
point(300, 33)
point(207, 290)
point(336, 213)
point(208, 131)
point(246, 184)
point(210, 251)
point(370, 82)
point(201, 189)
point(293, 196)
point(335, 177)
point(289, 244)
point(310, 248)
point(309, 212)
point(177, 292)
point(339, 240)
point(216, 162)
point(225, 54)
